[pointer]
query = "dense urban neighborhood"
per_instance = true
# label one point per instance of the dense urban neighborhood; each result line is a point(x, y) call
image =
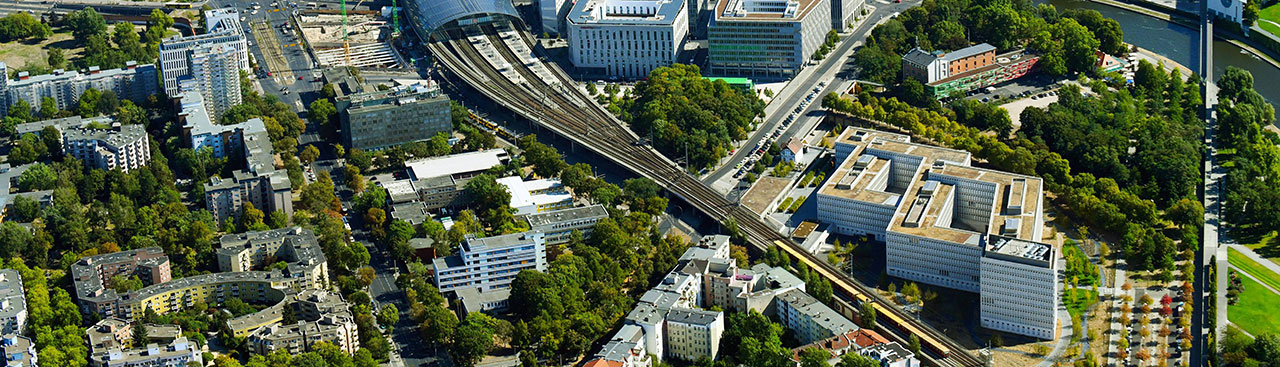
point(639, 183)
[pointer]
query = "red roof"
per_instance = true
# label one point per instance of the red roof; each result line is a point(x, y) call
point(866, 338)
point(601, 362)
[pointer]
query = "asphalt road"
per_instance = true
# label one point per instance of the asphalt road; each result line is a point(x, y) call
point(794, 94)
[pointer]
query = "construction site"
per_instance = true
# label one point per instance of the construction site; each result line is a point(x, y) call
point(366, 42)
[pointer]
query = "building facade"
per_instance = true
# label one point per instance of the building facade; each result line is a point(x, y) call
point(1015, 291)
point(843, 13)
point(296, 246)
point(127, 147)
point(13, 303)
point(133, 82)
point(558, 225)
point(948, 224)
point(694, 334)
point(967, 69)
point(810, 319)
point(626, 38)
point(91, 274)
point(553, 14)
point(403, 114)
point(765, 39)
point(490, 263)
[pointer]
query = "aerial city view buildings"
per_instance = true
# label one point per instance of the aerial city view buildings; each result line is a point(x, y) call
point(639, 183)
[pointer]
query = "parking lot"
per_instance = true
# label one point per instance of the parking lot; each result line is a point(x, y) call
point(1018, 88)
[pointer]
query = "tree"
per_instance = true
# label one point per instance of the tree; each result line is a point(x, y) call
point(57, 58)
point(38, 177)
point(1078, 44)
point(374, 219)
point(86, 22)
point(868, 316)
point(321, 112)
point(914, 344)
point(139, 334)
point(388, 315)
point(309, 154)
point(1266, 348)
point(366, 275)
point(814, 357)
point(252, 218)
point(473, 340)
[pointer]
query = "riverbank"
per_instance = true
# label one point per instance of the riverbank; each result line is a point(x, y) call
point(1184, 21)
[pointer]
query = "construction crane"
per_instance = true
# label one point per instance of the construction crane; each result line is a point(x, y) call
point(346, 44)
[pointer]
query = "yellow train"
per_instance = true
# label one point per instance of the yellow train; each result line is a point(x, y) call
point(884, 315)
point(497, 130)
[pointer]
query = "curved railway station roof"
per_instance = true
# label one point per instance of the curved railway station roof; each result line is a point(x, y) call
point(432, 14)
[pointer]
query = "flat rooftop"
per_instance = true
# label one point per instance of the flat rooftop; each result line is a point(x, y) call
point(866, 174)
point(564, 215)
point(477, 161)
point(1027, 252)
point(766, 10)
point(626, 12)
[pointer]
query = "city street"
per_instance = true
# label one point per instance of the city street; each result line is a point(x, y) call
point(831, 69)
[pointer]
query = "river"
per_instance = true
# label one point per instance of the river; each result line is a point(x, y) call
point(1179, 43)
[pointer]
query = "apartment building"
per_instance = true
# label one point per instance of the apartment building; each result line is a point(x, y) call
point(671, 322)
point(19, 351)
point(693, 334)
point(490, 263)
point(406, 113)
point(179, 352)
point(257, 250)
point(322, 317)
point(13, 303)
point(132, 82)
point(967, 69)
point(765, 39)
point(625, 349)
point(839, 345)
point(536, 196)
point(891, 355)
point(948, 224)
point(91, 274)
point(210, 63)
point(626, 38)
point(127, 147)
point(260, 183)
point(809, 319)
point(558, 225)
point(111, 344)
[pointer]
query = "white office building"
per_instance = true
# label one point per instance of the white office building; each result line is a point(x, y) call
point(948, 224)
point(1016, 278)
point(490, 263)
point(843, 12)
point(626, 38)
point(553, 13)
point(536, 196)
point(768, 39)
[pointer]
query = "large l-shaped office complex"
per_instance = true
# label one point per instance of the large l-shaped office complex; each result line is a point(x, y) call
point(949, 224)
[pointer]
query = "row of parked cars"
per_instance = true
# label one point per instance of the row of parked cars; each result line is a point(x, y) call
point(746, 164)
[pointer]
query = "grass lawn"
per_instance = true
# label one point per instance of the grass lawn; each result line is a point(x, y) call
point(1084, 298)
point(22, 53)
point(1271, 13)
point(1255, 269)
point(1258, 311)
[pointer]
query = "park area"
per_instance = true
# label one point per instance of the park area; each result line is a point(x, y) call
point(1269, 19)
point(1258, 310)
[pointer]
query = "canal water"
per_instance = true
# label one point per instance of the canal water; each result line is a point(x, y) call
point(1179, 44)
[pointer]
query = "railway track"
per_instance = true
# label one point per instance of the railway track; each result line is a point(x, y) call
point(598, 130)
